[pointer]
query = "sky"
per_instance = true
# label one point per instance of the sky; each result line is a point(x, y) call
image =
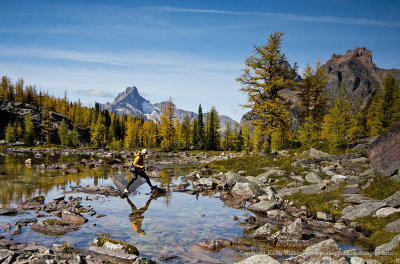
point(191, 51)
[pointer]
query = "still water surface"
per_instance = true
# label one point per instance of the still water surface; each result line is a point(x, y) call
point(170, 224)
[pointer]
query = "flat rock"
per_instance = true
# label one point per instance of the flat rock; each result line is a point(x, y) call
point(361, 210)
point(208, 182)
point(384, 152)
point(386, 211)
point(259, 259)
point(393, 226)
point(324, 248)
point(230, 178)
point(166, 257)
point(359, 199)
point(387, 248)
point(314, 153)
point(8, 211)
point(54, 227)
point(312, 177)
point(114, 248)
point(263, 206)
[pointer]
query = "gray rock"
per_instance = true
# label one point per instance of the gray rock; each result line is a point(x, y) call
point(17, 230)
point(295, 229)
point(229, 179)
point(387, 248)
point(361, 210)
point(265, 231)
point(114, 248)
point(312, 177)
point(208, 182)
point(324, 248)
point(143, 260)
point(393, 200)
point(386, 211)
point(357, 260)
point(270, 192)
point(324, 216)
point(6, 256)
point(314, 153)
point(313, 189)
point(360, 159)
point(54, 227)
point(263, 206)
point(393, 226)
point(359, 199)
point(6, 226)
point(246, 190)
point(384, 152)
point(328, 260)
point(259, 259)
point(277, 214)
point(338, 178)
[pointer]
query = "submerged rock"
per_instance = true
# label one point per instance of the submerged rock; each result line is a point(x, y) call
point(54, 227)
point(215, 245)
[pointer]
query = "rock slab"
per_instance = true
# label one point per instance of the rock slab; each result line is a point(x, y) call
point(258, 259)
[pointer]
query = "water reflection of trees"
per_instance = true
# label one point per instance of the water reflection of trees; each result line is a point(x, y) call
point(21, 182)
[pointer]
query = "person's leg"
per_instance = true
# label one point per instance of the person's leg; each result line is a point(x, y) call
point(134, 177)
point(146, 177)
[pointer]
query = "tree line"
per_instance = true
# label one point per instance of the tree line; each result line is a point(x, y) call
point(111, 130)
point(268, 73)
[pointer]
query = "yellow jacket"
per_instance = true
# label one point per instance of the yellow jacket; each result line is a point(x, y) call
point(138, 163)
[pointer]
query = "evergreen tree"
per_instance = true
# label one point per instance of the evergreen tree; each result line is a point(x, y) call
point(19, 90)
point(194, 131)
point(19, 130)
point(391, 102)
point(74, 137)
point(247, 145)
point(98, 135)
point(63, 134)
point(167, 126)
point(266, 74)
point(375, 116)
point(46, 125)
point(178, 133)
point(186, 131)
point(29, 135)
point(200, 128)
point(213, 137)
point(10, 133)
point(309, 130)
point(340, 118)
point(228, 137)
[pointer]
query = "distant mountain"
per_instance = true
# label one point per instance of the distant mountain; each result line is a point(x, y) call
point(131, 102)
point(357, 74)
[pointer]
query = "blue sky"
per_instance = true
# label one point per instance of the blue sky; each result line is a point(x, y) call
point(189, 50)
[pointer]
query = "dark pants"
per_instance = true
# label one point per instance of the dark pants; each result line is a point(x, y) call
point(143, 175)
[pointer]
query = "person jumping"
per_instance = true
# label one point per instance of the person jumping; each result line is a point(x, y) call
point(139, 170)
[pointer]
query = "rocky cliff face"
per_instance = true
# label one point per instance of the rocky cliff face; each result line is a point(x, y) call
point(357, 74)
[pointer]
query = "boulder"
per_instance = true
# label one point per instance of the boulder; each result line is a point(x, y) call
point(6, 256)
point(312, 177)
point(246, 190)
point(258, 259)
point(393, 226)
point(384, 152)
point(265, 231)
point(321, 249)
point(207, 182)
point(8, 211)
point(361, 210)
point(387, 248)
point(338, 178)
point(263, 206)
point(393, 200)
point(386, 211)
point(295, 229)
point(230, 178)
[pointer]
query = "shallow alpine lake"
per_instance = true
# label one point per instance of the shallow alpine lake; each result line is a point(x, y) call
point(170, 224)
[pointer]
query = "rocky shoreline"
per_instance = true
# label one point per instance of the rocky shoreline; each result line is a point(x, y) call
point(277, 221)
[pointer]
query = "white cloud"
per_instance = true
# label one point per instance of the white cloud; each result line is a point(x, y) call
point(289, 16)
point(95, 92)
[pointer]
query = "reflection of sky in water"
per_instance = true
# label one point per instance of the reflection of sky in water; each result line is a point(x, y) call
point(172, 224)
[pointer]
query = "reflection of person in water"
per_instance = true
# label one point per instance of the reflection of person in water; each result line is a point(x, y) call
point(137, 217)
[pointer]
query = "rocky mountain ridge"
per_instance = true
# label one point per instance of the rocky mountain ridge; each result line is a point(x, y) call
point(131, 102)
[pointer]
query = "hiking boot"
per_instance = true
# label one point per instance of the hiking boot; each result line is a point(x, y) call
point(126, 191)
point(153, 187)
